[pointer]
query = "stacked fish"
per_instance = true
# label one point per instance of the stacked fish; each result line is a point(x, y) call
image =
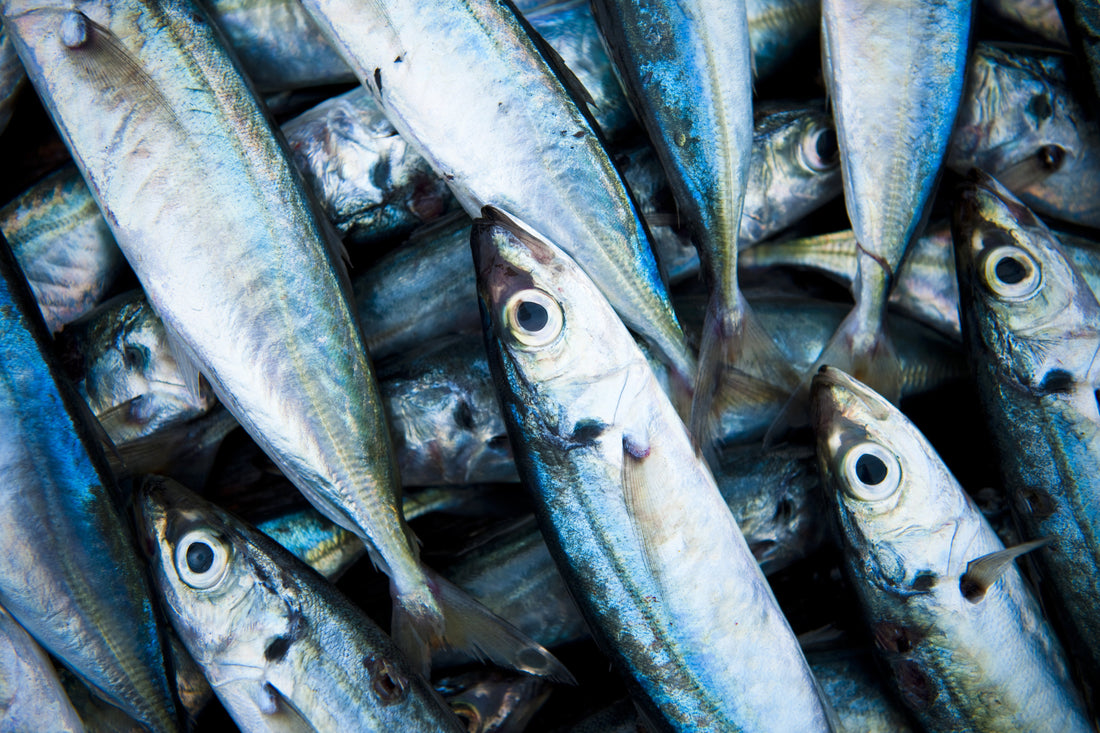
point(645, 425)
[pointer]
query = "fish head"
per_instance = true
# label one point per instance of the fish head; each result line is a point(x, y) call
point(1024, 306)
point(898, 506)
point(221, 596)
point(564, 352)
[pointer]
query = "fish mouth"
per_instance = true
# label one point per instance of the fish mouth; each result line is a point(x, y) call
point(987, 198)
point(151, 514)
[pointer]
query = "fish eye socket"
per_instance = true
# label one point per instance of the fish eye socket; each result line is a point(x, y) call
point(819, 148)
point(1051, 158)
point(871, 472)
point(201, 559)
point(533, 317)
point(1010, 272)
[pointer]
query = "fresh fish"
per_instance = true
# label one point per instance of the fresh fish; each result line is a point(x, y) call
point(597, 442)
point(777, 28)
point(853, 686)
point(687, 69)
point(1021, 123)
point(283, 650)
point(11, 77)
point(894, 71)
point(443, 411)
point(1082, 21)
point(61, 527)
point(523, 145)
point(31, 696)
point(965, 641)
point(1033, 19)
point(277, 43)
point(63, 246)
point(494, 702)
point(1032, 328)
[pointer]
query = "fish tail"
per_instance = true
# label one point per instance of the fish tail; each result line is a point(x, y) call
point(738, 360)
point(417, 625)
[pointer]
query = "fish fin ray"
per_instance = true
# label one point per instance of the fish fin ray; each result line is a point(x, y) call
point(187, 361)
point(982, 572)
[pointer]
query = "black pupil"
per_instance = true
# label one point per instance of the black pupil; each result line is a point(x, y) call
point(826, 146)
point(871, 470)
point(199, 557)
point(531, 317)
point(1010, 271)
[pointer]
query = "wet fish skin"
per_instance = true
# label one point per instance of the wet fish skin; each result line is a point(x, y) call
point(283, 650)
point(524, 144)
point(31, 695)
point(12, 77)
point(63, 246)
point(61, 525)
point(494, 702)
point(853, 685)
point(911, 535)
point(1032, 347)
point(1021, 122)
point(894, 72)
point(584, 447)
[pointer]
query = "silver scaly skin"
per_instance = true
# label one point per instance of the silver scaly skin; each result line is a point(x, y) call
point(631, 515)
point(31, 695)
point(854, 687)
point(61, 528)
point(1032, 328)
point(11, 77)
point(282, 649)
point(894, 71)
point(63, 246)
point(230, 252)
point(963, 656)
point(523, 144)
point(1021, 123)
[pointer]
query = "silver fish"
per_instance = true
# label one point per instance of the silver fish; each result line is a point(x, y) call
point(283, 650)
point(965, 641)
point(523, 144)
point(598, 444)
point(31, 696)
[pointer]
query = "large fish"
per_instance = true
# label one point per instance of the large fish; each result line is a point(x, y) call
point(1032, 328)
point(687, 67)
point(964, 639)
point(61, 529)
point(232, 255)
point(508, 133)
point(631, 514)
point(283, 650)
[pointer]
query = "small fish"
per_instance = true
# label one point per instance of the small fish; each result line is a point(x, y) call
point(283, 650)
point(961, 634)
point(31, 695)
point(853, 685)
point(1032, 19)
point(631, 514)
point(1032, 328)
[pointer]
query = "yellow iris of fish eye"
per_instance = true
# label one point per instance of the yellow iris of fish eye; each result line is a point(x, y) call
point(534, 318)
point(201, 559)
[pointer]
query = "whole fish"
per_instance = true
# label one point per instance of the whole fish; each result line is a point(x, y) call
point(1021, 123)
point(63, 246)
point(633, 517)
point(283, 650)
point(523, 145)
point(1032, 328)
point(965, 641)
point(247, 279)
point(894, 71)
point(31, 696)
point(687, 68)
point(61, 526)
point(11, 77)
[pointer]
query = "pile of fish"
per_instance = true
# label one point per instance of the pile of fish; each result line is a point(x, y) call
point(683, 366)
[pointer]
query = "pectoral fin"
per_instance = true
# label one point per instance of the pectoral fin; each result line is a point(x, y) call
point(981, 573)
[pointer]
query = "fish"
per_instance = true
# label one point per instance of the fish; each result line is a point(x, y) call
point(597, 444)
point(1032, 330)
point(963, 638)
point(12, 78)
point(1032, 19)
point(63, 246)
point(494, 702)
point(894, 72)
point(282, 649)
point(687, 69)
point(62, 525)
point(855, 689)
point(31, 695)
point(777, 28)
point(1082, 24)
point(252, 290)
point(1021, 123)
point(525, 145)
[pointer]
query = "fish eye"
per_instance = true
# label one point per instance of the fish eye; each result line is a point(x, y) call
point(201, 559)
point(534, 318)
point(1051, 158)
point(1010, 272)
point(819, 147)
point(871, 472)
